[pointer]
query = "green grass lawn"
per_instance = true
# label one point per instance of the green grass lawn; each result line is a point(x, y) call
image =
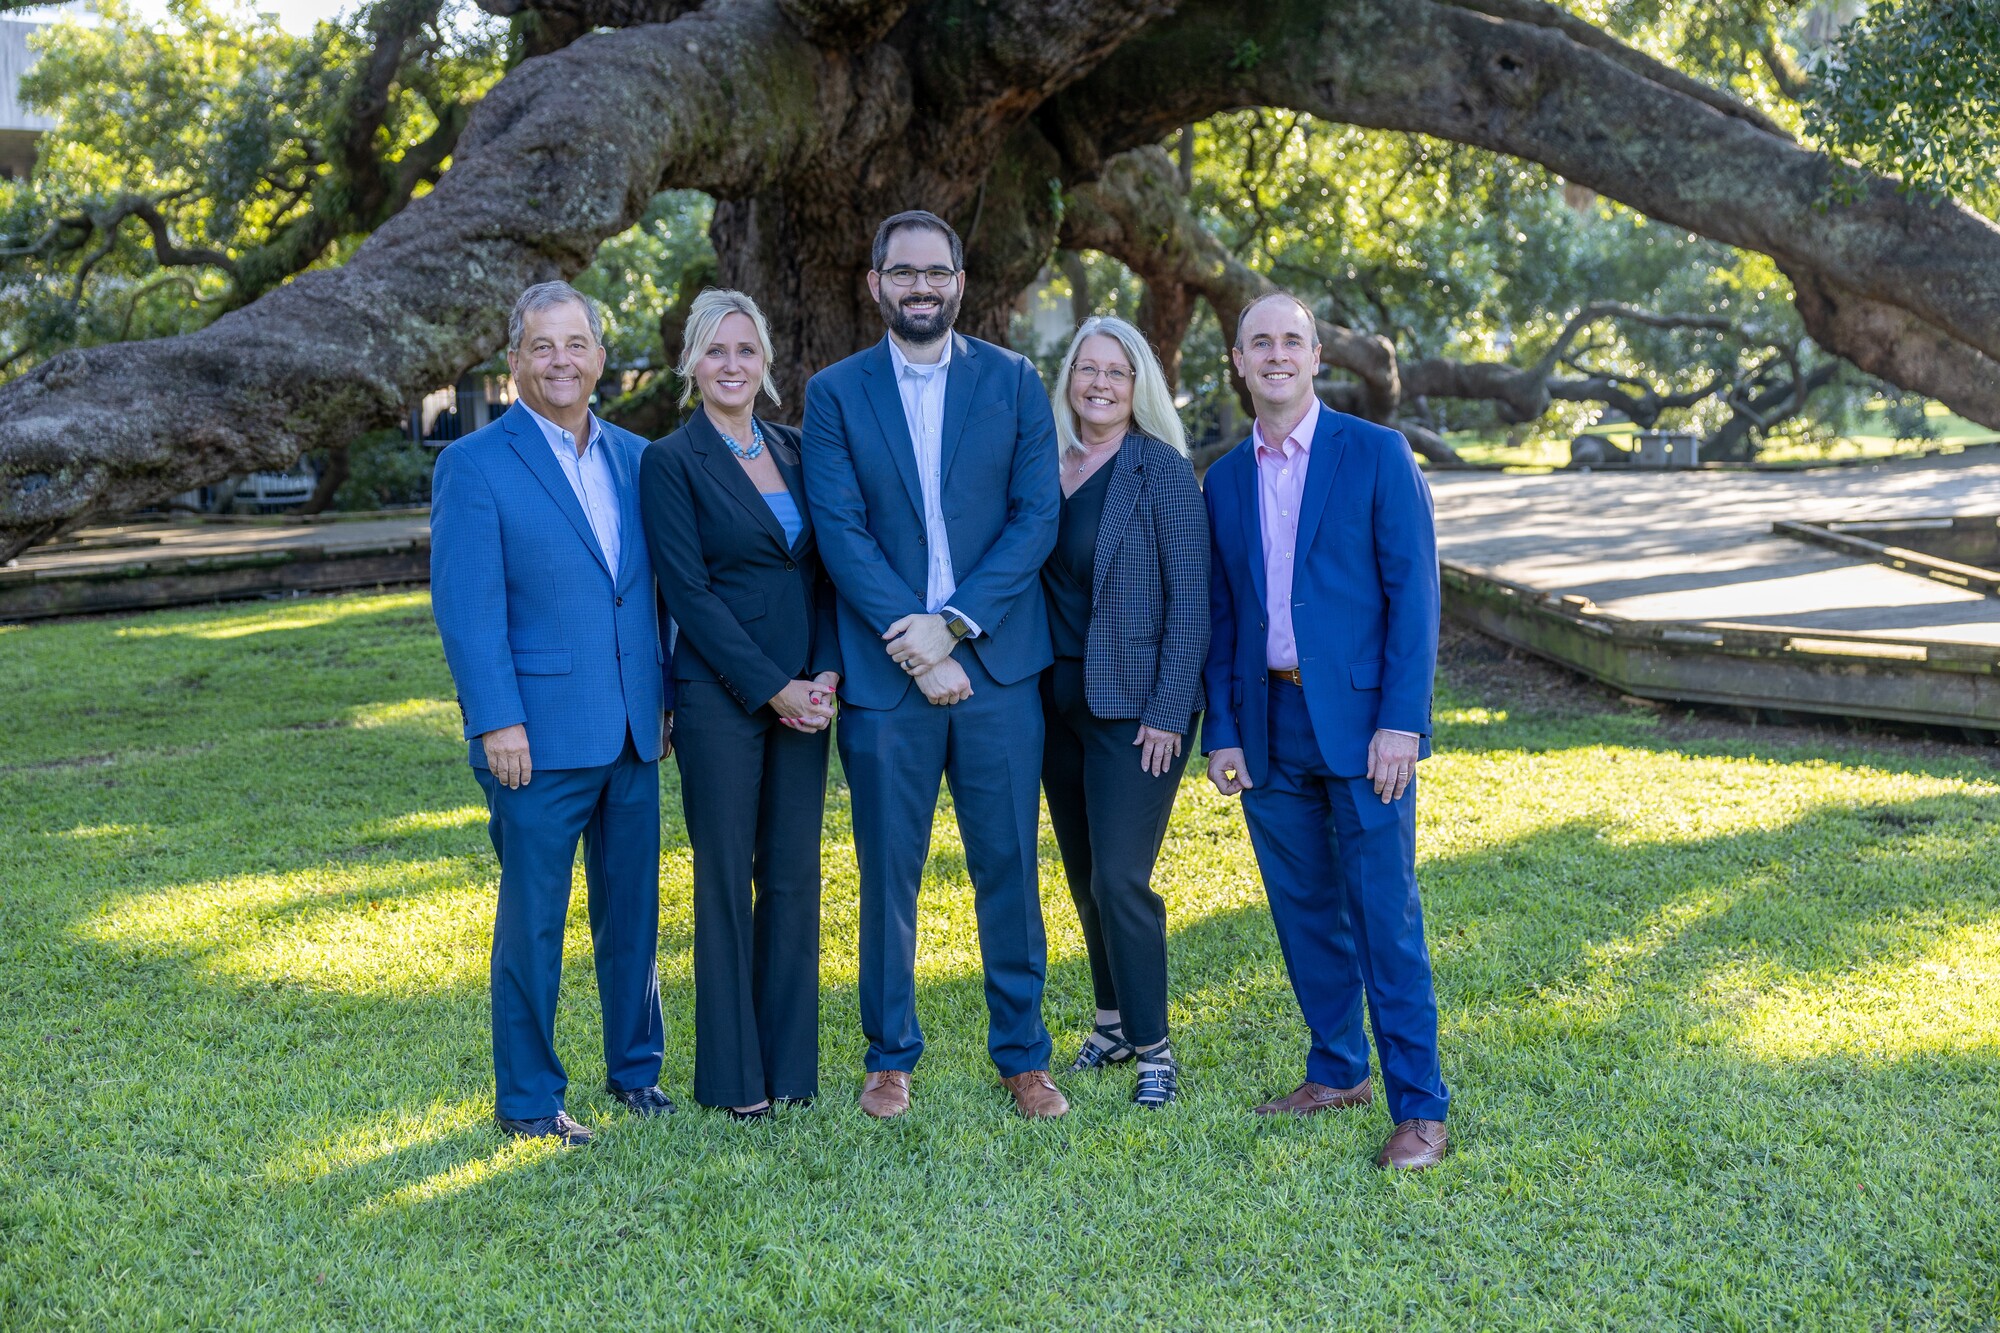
point(1721, 1014)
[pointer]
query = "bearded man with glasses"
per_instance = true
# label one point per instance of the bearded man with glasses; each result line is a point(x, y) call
point(930, 466)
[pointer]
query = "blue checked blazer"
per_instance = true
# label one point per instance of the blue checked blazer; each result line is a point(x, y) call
point(1149, 590)
point(536, 628)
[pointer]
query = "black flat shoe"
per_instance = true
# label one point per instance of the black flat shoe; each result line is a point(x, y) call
point(641, 1101)
point(792, 1103)
point(761, 1113)
point(557, 1126)
point(1106, 1045)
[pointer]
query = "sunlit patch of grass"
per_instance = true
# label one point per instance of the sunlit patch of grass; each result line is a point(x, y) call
point(331, 927)
point(239, 623)
point(435, 715)
point(1946, 1000)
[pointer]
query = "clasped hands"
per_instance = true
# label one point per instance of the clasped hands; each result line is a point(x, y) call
point(1392, 765)
point(921, 646)
point(807, 705)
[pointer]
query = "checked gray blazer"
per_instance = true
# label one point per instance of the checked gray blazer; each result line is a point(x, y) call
point(1149, 590)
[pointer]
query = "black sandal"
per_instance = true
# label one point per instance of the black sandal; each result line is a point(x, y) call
point(1106, 1045)
point(1159, 1084)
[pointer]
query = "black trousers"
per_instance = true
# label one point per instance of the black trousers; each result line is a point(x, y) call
point(1110, 818)
point(753, 792)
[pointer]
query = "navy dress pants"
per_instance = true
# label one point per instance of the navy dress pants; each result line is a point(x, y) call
point(989, 748)
point(1339, 869)
point(615, 811)
point(753, 791)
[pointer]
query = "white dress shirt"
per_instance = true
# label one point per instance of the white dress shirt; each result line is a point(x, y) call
point(591, 478)
point(921, 388)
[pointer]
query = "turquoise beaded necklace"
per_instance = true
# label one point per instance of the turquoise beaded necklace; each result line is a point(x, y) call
point(756, 442)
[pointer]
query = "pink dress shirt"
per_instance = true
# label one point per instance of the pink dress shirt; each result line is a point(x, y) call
point(1281, 484)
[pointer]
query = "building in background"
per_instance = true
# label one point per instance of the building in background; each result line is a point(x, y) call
point(20, 128)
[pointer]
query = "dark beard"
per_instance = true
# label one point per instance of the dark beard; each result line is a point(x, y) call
point(920, 329)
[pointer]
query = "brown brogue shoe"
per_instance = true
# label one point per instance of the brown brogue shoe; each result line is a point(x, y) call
point(885, 1093)
point(1310, 1098)
point(1413, 1145)
point(1035, 1096)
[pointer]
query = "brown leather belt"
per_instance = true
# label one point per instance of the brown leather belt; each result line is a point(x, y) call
point(1290, 675)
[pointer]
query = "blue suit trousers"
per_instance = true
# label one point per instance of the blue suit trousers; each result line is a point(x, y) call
point(615, 810)
point(1339, 868)
point(989, 748)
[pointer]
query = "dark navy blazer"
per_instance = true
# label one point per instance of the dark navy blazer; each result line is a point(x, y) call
point(1364, 597)
point(1000, 496)
point(754, 611)
point(536, 628)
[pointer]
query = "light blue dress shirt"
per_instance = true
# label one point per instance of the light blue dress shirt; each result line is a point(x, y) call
point(591, 478)
point(922, 389)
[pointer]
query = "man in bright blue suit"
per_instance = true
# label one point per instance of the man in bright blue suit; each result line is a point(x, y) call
point(930, 464)
point(1324, 599)
point(544, 598)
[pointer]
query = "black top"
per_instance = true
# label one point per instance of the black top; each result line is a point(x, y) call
point(1070, 572)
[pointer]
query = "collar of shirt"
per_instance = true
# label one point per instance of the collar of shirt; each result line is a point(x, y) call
point(902, 363)
point(560, 439)
point(1298, 442)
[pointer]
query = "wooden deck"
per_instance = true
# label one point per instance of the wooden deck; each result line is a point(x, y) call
point(136, 566)
point(1674, 586)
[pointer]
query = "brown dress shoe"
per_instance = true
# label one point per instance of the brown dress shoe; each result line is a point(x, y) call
point(1413, 1145)
point(885, 1093)
point(1036, 1097)
point(1310, 1098)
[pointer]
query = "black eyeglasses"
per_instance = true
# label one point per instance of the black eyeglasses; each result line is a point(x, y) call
point(904, 276)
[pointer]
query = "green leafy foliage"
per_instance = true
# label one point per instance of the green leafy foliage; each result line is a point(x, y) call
point(224, 127)
point(386, 470)
point(1911, 88)
point(636, 276)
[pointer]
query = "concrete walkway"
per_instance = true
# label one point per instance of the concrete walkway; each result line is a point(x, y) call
point(1664, 546)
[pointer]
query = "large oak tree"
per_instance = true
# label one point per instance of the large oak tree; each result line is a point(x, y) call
point(1026, 121)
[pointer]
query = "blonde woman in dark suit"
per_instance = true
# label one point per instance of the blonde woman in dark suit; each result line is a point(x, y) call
point(756, 664)
point(1127, 591)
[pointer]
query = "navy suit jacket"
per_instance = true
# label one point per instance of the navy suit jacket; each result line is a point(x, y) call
point(537, 628)
point(753, 611)
point(1000, 497)
point(1364, 597)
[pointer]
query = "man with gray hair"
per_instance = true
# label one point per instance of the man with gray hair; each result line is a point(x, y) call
point(543, 593)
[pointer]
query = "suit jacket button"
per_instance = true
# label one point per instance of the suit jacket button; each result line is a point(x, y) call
point(920, 539)
point(619, 600)
point(790, 565)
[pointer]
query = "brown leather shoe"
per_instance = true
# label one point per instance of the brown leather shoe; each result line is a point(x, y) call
point(1036, 1097)
point(1413, 1145)
point(1310, 1098)
point(885, 1093)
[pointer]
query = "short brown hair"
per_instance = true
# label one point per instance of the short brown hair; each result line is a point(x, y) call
point(915, 217)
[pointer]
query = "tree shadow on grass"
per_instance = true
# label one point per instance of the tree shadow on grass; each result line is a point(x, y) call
point(1742, 1019)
